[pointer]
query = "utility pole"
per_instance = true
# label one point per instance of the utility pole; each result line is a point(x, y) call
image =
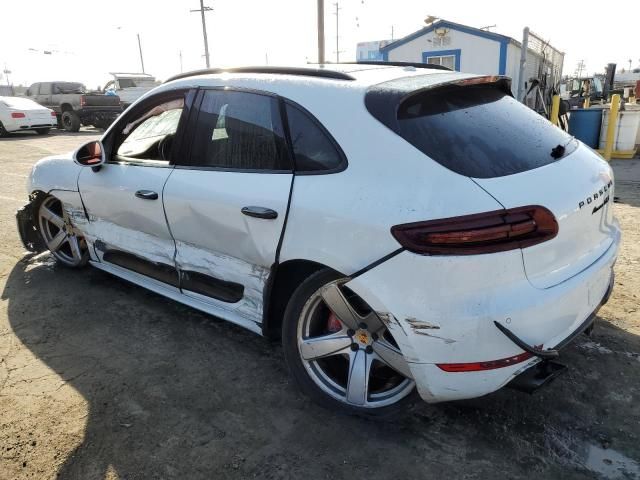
point(392, 33)
point(140, 50)
point(523, 64)
point(7, 72)
point(202, 11)
point(180, 55)
point(580, 68)
point(320, 31)
point(337, 14)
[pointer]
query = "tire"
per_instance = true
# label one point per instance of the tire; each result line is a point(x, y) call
point(3, 132)
point(53, 223)
point(70, 121)
point(42, 131)
point(305, 309)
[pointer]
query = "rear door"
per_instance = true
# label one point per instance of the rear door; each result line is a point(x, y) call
point(44, 95)
point(226, 204)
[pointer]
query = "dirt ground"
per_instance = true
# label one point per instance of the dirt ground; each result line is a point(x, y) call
point(101, 379)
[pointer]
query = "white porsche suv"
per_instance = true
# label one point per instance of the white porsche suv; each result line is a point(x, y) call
point(403, 228)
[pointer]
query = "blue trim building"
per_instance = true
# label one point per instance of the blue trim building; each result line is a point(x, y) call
point(499, 42)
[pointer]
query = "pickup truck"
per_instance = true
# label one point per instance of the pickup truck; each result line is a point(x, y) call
point(130, 86)
point(74, 106)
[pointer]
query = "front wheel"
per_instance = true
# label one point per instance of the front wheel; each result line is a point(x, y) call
point(340, 352)
point(62, 239)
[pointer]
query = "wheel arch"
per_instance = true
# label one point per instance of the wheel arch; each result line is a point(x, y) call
point(283, 281)
point(64, 107)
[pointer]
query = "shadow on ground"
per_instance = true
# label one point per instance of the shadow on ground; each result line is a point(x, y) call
point(173, 393)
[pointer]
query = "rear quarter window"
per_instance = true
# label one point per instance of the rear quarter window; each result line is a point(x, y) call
point(480, 131)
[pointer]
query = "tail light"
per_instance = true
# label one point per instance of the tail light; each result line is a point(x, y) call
point(488, 232)
point(53, 114)
point(17, 115)
point(83, 100)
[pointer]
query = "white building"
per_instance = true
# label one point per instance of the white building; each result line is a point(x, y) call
point(471, 50)
point(371, 50)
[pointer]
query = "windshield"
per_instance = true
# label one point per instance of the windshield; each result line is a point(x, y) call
point(480, 131)
point(69, 87)
point(17, 102)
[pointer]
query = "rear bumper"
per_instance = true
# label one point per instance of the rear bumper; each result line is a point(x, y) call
point(443, 310)
point(19, 124)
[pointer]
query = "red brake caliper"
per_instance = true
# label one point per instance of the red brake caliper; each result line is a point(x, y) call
point(333, 324)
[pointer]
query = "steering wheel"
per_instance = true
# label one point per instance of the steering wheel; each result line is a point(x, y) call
point(164, 147)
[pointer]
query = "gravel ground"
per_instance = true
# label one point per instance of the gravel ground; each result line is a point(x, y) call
point(101, 379)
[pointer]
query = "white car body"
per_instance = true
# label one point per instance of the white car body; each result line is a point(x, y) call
point(17, 114)
point(441, 309)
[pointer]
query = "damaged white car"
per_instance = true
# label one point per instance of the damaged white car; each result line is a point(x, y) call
point(402, 229)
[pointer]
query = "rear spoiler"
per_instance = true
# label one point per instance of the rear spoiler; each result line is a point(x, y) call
point(383, 100)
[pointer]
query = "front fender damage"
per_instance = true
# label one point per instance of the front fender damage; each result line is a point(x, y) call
point(27, 225)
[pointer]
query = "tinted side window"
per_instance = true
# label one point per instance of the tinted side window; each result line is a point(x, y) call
point(239, 130)
point(45, 89)
point(312, 148)
point(480, 131)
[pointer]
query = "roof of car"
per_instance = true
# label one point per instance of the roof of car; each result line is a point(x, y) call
point(369, 72)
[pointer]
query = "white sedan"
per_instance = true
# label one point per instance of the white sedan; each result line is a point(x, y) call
point(18, 114)
point(401, 229)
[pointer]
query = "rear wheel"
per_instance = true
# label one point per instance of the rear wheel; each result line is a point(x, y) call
point(3, 131)
point(62, 239)
point(42, 131)
point(340, 352)
point(70, 121)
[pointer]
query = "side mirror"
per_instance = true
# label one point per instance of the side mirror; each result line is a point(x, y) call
point(90, 154)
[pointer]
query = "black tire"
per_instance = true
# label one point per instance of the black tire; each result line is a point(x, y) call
point(296, 368)
point(3, 132)
point(42, 131)
point(70, 121)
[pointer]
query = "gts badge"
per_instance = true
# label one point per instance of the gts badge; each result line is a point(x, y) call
point(603, 192)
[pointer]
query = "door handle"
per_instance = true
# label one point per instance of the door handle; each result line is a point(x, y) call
point(260, 212)
point(147, 195)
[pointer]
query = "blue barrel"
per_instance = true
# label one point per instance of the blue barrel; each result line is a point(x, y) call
point(584, 124)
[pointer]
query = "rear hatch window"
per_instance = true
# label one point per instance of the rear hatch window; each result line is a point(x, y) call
point(480, 131)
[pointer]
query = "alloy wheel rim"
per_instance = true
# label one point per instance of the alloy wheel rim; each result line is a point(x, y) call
point(358, 363)
point(58, 233)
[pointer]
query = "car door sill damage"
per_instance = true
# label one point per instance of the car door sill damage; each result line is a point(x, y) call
point(213, 287)
point(158, 271)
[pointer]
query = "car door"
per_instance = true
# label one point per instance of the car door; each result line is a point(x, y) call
point(226, 203)
point(44, 95)
point(127, 228)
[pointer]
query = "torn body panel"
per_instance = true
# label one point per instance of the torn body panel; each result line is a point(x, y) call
point(27, 216)
point(229, 269)
point(463, 301)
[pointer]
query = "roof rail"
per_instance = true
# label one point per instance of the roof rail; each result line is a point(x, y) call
point(309, 72)
point(399, 64)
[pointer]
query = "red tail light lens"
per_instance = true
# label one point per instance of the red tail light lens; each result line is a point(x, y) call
point(17, 115)
point(83, 100)
point(479, 366)
point(53, 114)
point(488, 232)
